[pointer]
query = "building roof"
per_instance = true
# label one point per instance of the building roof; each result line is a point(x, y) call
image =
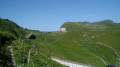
point(31, 36)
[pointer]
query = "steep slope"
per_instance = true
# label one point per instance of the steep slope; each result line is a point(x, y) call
point(12, 37)
point(11, 27)
point(9, 31)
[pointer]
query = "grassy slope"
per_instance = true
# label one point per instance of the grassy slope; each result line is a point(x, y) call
point(76, 49)
point(74, 46)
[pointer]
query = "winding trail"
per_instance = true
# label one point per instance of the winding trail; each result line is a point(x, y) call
point(116, 52)
point(101, 60)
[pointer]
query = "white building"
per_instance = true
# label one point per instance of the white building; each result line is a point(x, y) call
point(61, 30)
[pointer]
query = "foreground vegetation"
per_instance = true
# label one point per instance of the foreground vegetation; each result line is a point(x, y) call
point(13, 37)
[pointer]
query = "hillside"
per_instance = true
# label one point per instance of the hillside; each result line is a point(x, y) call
point(11, 27)
point(101, 25)
point(9, 31)
point(105, 30)
point(13, 37)
point(95, 44)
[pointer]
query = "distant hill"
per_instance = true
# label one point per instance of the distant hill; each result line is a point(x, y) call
point(91, 26)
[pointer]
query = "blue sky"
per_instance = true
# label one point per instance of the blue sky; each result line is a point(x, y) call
point(49, 15)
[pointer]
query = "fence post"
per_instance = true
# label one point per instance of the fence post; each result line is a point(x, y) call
point(12, 58)
point(29, 56)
